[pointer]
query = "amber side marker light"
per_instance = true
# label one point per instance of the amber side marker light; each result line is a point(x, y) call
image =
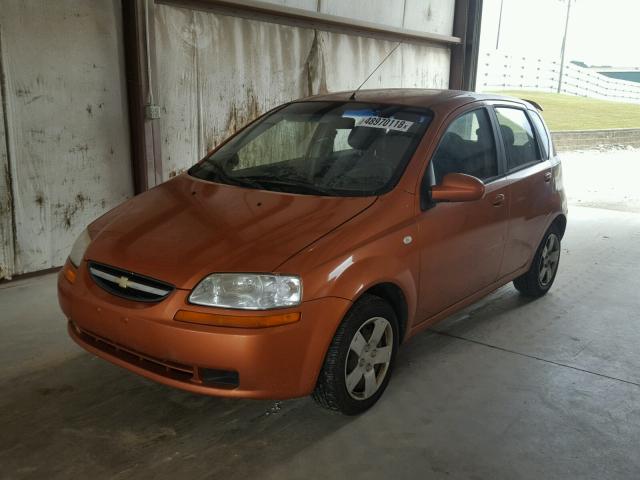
point(69, 273)
point(249, 321)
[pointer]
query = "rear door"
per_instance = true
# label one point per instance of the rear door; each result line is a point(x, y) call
point(530, 184)
point(462, 243)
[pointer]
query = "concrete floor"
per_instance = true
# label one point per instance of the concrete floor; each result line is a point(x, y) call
point(507, 389)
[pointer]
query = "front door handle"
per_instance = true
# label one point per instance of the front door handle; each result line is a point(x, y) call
point(547, 177)
point(498, 200)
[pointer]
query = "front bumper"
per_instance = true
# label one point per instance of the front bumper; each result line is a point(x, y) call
point(275, 362)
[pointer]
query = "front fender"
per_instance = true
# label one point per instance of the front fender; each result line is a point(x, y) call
point(373, 248)
point(350, 277)
point(361, 276)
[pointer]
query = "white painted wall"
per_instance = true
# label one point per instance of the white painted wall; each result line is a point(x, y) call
point(217, 72)
point(67, 125)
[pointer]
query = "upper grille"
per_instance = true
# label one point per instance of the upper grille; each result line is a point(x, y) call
point(129, 285)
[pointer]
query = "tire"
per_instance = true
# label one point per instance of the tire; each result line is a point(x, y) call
point(349, 357)
point(535, 283)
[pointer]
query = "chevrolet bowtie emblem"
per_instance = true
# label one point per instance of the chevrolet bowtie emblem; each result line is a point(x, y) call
point(123, 282)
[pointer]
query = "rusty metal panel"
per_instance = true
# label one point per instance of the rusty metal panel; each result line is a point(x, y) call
point(383, 12)
point(217, 72)
point(434, 16)
point(69, 150)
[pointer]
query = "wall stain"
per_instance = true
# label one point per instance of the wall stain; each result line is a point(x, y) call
point(81, 200)
point(38, 135)
point(90, 110)
point(79, 148)
point(240, 116)
point(37, 97)
point(66, 213)
point(23, 92)
point(40, 199)
point(315, 67)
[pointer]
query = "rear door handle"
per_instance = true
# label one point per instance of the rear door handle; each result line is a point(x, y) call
point(547, 177)
point(498, 200)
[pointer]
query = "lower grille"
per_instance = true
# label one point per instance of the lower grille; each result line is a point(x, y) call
point(176, 371)
point(129, 285)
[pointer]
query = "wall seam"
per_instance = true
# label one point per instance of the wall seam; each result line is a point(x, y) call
point(10, 155)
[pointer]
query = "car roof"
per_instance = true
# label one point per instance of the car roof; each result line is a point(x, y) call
point(418, 97)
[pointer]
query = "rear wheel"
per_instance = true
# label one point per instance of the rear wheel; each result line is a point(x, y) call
point(538, 280)
point(360, 359)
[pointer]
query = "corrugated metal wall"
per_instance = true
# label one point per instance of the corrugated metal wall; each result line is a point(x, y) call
point(64, 136)
point(217, 72)
point(65, 125)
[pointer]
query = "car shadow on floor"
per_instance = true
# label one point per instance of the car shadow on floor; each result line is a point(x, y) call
point(85, 417)
point(478, 316)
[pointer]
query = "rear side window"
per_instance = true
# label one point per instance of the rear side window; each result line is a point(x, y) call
point(517, 135)
point(468, 147)
point(542, 132)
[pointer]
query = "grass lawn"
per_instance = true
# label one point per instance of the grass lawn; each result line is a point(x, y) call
point(566, 112)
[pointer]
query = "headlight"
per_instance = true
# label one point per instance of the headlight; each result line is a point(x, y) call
point(79, 247)
point(247, 291)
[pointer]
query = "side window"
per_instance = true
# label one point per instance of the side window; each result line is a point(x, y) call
point(468, 146)
point(542, 132)
point(517, 135)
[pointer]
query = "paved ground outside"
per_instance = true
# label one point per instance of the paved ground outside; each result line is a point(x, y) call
point(508, 388)
point(609, 178)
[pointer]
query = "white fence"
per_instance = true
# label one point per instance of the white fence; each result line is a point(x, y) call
point(502, 71)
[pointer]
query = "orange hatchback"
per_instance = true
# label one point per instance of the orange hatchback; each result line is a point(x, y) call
point(298, 256)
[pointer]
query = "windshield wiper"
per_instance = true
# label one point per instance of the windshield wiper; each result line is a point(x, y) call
point(295, 184)
point(222, 175)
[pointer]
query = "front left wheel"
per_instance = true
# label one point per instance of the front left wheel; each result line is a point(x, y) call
point(360, 358)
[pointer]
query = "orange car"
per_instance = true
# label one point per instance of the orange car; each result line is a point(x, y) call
point(298, 256)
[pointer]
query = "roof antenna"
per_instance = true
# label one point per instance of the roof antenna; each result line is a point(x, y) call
point(353, 95)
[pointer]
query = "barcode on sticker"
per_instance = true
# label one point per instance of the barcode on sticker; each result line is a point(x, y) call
point(386, 123)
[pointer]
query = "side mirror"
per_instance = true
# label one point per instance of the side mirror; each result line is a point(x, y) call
point(458, 187)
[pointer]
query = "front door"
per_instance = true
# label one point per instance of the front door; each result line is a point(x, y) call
point(462, 243)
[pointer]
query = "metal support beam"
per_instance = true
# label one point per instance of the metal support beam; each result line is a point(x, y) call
point(139, 62)
point(464, 57)
point(315, 20)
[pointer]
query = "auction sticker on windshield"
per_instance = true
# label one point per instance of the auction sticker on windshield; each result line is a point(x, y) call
point(386, 123)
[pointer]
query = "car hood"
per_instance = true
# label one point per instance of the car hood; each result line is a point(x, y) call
point(187, 228)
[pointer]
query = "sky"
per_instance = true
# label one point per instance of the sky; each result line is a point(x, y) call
point(601, 32)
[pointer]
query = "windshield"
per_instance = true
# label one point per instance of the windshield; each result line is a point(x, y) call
point(321, 148)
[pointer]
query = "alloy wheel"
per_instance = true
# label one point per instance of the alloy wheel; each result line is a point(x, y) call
point(368, 358)
point(549, 260)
